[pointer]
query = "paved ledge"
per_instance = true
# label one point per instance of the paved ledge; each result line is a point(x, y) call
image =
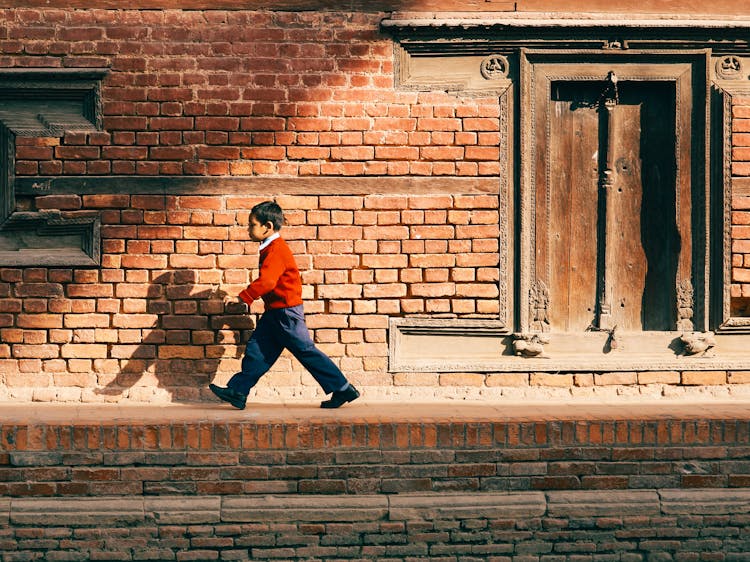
point(362, 411)
point(211, 449)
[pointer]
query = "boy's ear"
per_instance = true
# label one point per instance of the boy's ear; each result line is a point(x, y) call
point(269, 224)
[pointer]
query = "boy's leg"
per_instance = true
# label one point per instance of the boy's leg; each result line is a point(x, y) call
point(261, 352)
point(297, 340)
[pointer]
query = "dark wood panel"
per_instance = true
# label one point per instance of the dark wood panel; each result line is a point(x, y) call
point(666, 232)
point(718, 7)
point(730, 7)
point(277, 5)
point(171, 185)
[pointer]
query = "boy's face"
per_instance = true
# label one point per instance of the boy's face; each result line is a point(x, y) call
point(259, 232)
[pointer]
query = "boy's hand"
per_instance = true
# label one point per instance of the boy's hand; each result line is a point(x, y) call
point(245, 296)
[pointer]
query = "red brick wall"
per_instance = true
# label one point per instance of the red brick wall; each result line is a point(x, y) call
point(283, 95)
point(246, 93)
point(237, 93)
point(741, 208)
point(153, 304)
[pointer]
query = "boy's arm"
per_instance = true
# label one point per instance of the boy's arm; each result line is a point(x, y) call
point(268, 277)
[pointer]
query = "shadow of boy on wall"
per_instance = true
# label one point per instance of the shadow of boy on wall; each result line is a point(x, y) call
point(177, 336)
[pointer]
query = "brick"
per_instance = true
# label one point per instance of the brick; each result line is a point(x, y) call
point(388, 261)
point(704, 377)
point(106, 201)
point(433, 232)
point(659, 377)
point(84, 350)
point(62, 202)
point(738, 377)
point(430, 201)
point(619, 378)
point(44, 290)
point(86, 320)
point(89, 290)
point(144, 261)
point(544, 379)
point(46, 351)
point(386, 202)
point(192, 262)
point(433, 289)
point(39, 321)
point(507, 379)
point(461, 379)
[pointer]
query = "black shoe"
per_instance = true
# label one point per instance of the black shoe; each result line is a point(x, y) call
point(235, 398)
point(341, 397)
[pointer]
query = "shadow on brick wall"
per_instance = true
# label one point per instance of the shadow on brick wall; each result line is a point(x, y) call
point(182, 331)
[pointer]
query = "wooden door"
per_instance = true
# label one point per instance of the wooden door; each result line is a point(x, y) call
point(612, 238)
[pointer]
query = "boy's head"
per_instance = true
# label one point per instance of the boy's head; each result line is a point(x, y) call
point(265, 219)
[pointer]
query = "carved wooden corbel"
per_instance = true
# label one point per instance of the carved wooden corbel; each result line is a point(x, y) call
point(529, 344)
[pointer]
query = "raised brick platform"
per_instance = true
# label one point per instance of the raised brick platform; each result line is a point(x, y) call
point(450, 481)
point(63, 450)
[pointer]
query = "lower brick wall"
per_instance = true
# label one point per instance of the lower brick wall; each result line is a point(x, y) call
point(470, 489)
point(630, 526)
point(360, 456)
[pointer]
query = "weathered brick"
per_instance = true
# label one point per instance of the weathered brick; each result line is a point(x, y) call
point(704, 377)
point(617, 378)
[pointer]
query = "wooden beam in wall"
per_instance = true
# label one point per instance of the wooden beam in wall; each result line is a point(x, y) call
point(674, 7)
point(274, 5)
point(191, 185)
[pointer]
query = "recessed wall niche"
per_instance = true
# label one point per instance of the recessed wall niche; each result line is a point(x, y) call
point(45, 103)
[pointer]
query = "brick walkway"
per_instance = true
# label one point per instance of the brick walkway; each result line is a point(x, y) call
point(372, 412)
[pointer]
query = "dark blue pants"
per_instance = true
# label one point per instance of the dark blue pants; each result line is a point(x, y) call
point(280, 328)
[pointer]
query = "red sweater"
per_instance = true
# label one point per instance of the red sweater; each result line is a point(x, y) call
point(279, 282)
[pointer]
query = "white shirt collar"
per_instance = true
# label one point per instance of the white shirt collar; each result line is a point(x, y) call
point(268, 240)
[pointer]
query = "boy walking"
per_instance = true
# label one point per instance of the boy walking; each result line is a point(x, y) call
point(282, 324)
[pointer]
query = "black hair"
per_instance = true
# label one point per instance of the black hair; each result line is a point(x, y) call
point(269, 211)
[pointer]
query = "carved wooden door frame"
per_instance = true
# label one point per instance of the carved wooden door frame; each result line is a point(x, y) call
point(688, 70)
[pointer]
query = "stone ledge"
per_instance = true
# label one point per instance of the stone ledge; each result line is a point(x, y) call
point(76, 512)
point(467, 506)
point(603, 503)
point(705, 502)
point(182, 510)
point(248, 509)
